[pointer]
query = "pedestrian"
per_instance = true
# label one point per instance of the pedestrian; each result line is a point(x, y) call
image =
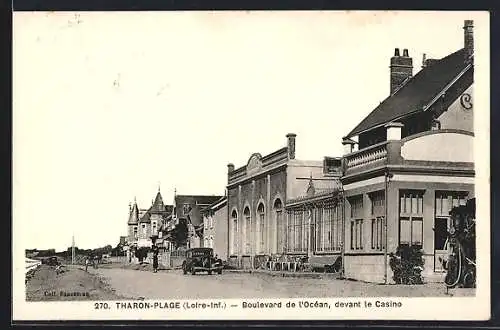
point(155, 259)
point(87, 262)
point(96, 260)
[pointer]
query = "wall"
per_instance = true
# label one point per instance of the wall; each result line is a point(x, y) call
point(221, 240)
point(262, 188)
point(369, 268)
point(457, 116)
point(448, 146)
point(298, 174)
point(158, 219)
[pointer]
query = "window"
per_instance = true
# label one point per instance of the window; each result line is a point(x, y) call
point(297, 233)
point(234, 236)
point(248, 230)
point(144, 229)
point(262, 232)
point(377, 220)
point(280, 225)
point(444, 202)
point(411, 209)
point(327, 219)
point(356, 222)
point(153, 227)
point(135, 231)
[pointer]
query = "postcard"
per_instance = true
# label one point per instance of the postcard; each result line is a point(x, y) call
point(242, 165)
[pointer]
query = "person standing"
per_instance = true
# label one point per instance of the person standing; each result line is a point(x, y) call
point(96, 260)
point(155, 258)
point(87, 262)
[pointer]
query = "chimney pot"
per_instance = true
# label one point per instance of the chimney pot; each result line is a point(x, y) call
point(291, 145)
point(405, 52)
point(468, 40)
point(348, 145)
point(230, 168)
point(396, 52)
point(394, 131)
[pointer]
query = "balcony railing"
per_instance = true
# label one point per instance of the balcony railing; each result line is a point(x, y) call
point(367, 156)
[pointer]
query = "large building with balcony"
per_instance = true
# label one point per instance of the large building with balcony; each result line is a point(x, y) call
point(257, 193)
point(408, 163)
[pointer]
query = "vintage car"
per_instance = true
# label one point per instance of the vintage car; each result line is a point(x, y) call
point(51, 261)
point(201, 260)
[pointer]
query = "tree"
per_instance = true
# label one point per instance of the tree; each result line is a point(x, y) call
point(180, 233)
point(141, 253)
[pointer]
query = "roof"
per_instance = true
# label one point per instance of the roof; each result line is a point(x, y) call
point(196, 199)
point(158, 205)
point(134, 215)
point(416, 93)
point(221, 202)
point(145, 218)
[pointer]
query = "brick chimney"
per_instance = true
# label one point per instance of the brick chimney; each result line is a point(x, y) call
point(230, 168)
point(468, 40)
point(401, 69)
point(291, 145)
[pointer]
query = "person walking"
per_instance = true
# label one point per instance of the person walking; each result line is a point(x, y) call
point(96, 260)
point(155, 259)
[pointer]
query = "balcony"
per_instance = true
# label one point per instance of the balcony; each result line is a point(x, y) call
point(448, 151)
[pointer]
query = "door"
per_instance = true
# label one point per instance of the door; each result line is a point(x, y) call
point(440, 242)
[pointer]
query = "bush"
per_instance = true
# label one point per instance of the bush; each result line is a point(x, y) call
point(407, 265)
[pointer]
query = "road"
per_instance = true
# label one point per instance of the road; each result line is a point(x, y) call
point(174, 285)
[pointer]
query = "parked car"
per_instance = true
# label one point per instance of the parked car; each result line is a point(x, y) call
point(201, 260)
point(51, 261)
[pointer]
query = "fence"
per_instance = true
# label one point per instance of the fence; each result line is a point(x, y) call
point(31, 264)
point(117, 259)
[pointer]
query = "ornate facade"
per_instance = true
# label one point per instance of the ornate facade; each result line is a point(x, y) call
point(257, 195)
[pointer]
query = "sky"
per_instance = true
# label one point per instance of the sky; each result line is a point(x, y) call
point(112, 106)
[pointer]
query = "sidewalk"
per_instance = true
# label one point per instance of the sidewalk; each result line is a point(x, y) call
point(277, 273)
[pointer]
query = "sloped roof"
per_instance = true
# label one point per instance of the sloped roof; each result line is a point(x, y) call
point(145, 218)
point(158, 205)
point(196, 199)
point(134, 214)
point(416, 93)
point(216, 205)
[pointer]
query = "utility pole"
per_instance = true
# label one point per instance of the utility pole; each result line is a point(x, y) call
point(73, 250)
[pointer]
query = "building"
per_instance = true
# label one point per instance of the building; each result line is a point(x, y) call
point(144, 224)
point(256, 197)
point(314, 220)
point(215, 227)
point(184, 229)
point(409, 162)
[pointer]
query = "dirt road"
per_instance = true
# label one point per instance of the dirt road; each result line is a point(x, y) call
point(175, 285)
